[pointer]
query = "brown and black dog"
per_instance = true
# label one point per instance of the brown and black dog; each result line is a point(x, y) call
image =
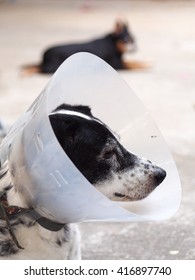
point(111, 48)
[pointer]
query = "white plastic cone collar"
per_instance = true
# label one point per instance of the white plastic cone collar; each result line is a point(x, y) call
point(48, 178)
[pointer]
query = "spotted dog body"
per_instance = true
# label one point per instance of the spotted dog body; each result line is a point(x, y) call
point(36, 241)
point(107, 165)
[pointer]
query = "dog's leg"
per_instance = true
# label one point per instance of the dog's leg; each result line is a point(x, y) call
point(30, 70)
point(136, 65)
point(75, 250)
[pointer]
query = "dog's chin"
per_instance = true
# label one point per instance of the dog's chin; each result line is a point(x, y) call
point(125, 198)
point(121, 195)
point(127, 190)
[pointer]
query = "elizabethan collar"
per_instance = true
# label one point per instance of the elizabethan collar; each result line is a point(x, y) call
point(52, 184)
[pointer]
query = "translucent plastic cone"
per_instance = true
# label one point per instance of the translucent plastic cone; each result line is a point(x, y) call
point(52, 184)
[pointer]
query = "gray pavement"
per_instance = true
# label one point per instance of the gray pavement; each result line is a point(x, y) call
point(166, 36)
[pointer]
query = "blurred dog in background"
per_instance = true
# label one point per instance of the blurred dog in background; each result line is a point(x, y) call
point(111, 48)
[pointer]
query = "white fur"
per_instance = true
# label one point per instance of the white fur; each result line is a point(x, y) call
point(39, 244)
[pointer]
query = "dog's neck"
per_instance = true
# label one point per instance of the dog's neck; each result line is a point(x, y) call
point(12, 205)
point(37, 241)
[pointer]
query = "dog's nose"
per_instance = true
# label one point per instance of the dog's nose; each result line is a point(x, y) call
point(159, 175)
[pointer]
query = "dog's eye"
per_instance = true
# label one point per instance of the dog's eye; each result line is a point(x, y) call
point(108, 154)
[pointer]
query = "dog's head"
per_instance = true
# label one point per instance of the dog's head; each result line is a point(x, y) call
point(124, 39)
point(97, 153)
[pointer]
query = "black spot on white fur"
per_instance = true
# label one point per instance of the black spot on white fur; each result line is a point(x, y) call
point(3, 230)
point(7, 248)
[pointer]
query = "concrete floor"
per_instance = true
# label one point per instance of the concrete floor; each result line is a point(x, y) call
point(166, 36)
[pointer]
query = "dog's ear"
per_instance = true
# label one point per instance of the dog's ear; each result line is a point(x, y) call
point(119, 26)
point(65, 128)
